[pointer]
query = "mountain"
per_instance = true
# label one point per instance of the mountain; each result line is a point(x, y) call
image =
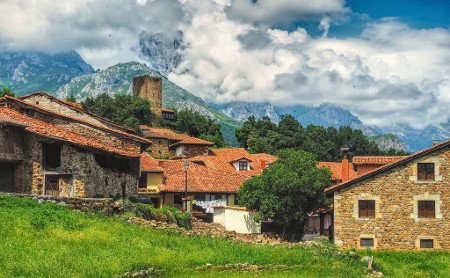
point(26, 72)
point(240, 111)
point(389, 141)
point(161, 51)
point(118, 79)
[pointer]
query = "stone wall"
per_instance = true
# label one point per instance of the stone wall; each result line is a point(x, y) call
point(149, 87)
point(192, 150)
point(159, 147)
point(396, 192)
point(55, 106)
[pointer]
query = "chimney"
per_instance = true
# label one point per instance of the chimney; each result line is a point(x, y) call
point(345, 165)
point(263, 164)
point(149, 87)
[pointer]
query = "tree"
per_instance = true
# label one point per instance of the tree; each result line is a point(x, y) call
point(287, 191)
point(123, 109)
point(195, 124)
point(5, 91)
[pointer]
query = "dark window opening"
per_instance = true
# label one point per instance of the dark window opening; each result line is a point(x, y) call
point(51, 156)
point(124, 191)
point(114, 163)
point(7, 175)
point(367, 242)
point(426, 243)
point(366, 208)
point(143, 181)
point(426, 209)
point(52, 185)
point(425, 171)
point(177, 200)
point(243, 165)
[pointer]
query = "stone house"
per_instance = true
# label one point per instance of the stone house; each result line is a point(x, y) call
point(48, 153)
point(404, 204)
point(167, 143)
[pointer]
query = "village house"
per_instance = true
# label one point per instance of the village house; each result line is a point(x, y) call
point(52, 147)
point(404, 204)
point(169, 144)
point(211, 180)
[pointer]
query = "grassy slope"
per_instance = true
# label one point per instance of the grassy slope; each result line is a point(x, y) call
point(48, 240)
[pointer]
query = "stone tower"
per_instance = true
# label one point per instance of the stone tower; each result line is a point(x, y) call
point(149, 87)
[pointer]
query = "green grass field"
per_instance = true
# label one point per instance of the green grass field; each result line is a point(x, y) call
point(49, 240)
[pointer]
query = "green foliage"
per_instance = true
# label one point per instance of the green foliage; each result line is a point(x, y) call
point(197, 125)
point(71, 98)
point(287, 191)
point(261, 135)
point(166, 214)
point(103, 246)
point(123, 109)
point(5, 91)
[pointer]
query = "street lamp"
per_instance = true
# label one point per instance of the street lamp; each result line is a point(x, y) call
point(186, 167)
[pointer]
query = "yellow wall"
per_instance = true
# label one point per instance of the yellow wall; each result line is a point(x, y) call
point(230, 201)
point(168, 200)
point(153, 179)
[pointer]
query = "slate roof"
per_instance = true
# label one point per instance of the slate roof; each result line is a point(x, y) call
point(12, 117)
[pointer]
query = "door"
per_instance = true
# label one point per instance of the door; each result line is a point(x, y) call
point(52, 185)
point(6, 177)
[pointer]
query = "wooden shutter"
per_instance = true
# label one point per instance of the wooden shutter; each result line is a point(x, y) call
point(366, 208)
point(425, 171)
point(426, 209)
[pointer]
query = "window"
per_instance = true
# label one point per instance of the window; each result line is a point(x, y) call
point(177, 200)
point(426, 209)
point(366, 208)
point(425, 171)
point(51, 154)
point(366, 242)
point(243, 165)
point(426, 243)
point(143, 180)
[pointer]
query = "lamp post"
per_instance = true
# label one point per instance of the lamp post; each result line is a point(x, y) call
point(186, 167)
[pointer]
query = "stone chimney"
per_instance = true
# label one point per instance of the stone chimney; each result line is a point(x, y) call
point(149, 87)
point(345, 165)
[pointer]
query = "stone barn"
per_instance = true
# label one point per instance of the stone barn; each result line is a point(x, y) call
point(47, 153)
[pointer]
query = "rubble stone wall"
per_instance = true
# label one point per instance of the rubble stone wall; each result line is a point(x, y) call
point(396, 193)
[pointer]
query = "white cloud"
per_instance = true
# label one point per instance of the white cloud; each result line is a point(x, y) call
point(390, 73)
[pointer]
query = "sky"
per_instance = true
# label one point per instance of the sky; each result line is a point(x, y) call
point(386, 61)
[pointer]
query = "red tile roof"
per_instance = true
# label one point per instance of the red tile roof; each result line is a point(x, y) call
point(264, 157)
point(149, 164)
point(183, 139)
point(375, 160)
point(222, 159)
point(167, 110)
point(77, 107)
point(51, 113)
point(200, 178)
point(387, 167)
point(336, 170)
point(12, 117)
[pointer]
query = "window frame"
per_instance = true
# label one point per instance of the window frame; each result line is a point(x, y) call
point(426, 171)
point(367, 239)
point(424, 246)
point(363, 209)
point(426, 204)
point(242, 162)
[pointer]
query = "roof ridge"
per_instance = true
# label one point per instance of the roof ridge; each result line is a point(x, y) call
point(123, 133)
point(389, 166)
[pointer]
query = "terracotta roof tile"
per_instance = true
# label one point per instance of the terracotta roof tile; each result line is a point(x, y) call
point(46, 111)
point(375, 160)
point(200, 178)
point(265, 157)
point(336, 170)
point(164, 109)
point(149, 164)
point(12, 117)
point(183, 139)
point(79, 108)
point(406, 159)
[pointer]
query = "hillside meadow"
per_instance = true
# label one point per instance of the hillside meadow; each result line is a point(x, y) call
point(49, 240)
